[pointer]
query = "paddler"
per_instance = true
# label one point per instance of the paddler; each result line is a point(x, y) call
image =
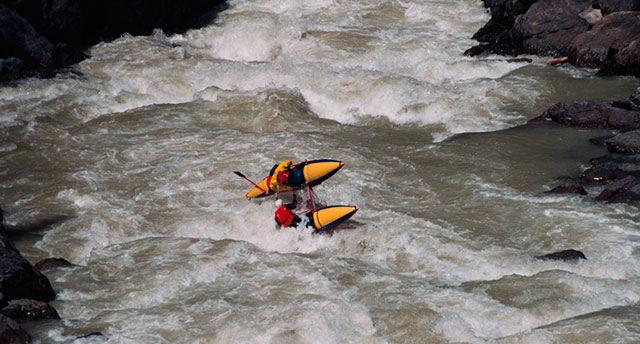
point(279, 177)
point(285, 215)
point(285, 175)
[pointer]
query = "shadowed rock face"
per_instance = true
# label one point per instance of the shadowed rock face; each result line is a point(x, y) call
point(11, 332)
point(19, 280)
point(24, 292)
point(602, 34)
point(46, 35)
point(549, 25)
point(612, 44)
point(25, 310)
point(566, 255)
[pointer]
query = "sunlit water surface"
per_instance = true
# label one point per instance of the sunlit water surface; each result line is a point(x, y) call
point(132, 161)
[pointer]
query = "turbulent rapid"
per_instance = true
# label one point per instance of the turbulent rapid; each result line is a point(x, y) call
point(133, 156)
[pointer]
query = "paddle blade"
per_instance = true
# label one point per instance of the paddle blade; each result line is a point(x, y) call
point(239, 174)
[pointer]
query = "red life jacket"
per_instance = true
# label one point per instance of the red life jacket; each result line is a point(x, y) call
point(284, 216)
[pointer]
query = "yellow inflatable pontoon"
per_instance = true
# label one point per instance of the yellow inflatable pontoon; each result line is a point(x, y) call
point(307, 173)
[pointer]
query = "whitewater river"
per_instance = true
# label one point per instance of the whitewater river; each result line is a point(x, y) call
point(131, 160)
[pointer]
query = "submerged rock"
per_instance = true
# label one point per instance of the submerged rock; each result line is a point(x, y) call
point(52, 264)
point(566, 255)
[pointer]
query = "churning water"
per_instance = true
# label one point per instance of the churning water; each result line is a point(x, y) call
point(132, 160)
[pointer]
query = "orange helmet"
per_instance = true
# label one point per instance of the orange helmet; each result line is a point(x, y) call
point(283, 177)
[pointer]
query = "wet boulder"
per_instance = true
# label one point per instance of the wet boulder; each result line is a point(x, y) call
point(593, 114)
point(622, 190)
point(608, 168)
point(566, 255)
point(600, 173)
point(592, 33)
point(612, 44)
point(611, 6)
point(24, 310)
point(628, 142)
point(497, 35)
point(568, 188)
point(11, 332)
point(634, 100)
point(550, 25)
point(18, 278)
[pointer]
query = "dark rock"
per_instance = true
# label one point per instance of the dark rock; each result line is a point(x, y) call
point(25, 310)
point(592, 114)
point(620, 190)
point(568, 188)
point(19, 39)
point(47, 35)
point(92, 334)
point(566, 255)
point(600, 141)
point(610, 158)
point(593, 33)
point(609, 168)
point(52, 264)
point(18, 278)
point(610, 6)
point(600, 173)
point(66, 55)
point(612, 43)
point(520, 59)
point(628, 142)
point(11, 332)
point(550, 25)
point(634, 100)
point(12, 65)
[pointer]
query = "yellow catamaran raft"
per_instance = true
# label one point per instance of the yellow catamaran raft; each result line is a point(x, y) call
point(310, 173)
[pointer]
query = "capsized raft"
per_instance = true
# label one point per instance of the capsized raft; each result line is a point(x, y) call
point(329, 217)
point(315, 172)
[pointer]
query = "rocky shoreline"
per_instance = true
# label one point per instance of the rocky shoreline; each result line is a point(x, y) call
point(619, 170)
point(603, 34)
point(24, 292)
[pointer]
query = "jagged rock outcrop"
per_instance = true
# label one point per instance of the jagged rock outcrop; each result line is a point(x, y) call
point(590, 33)
point(45, 35)
point(24, 292)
